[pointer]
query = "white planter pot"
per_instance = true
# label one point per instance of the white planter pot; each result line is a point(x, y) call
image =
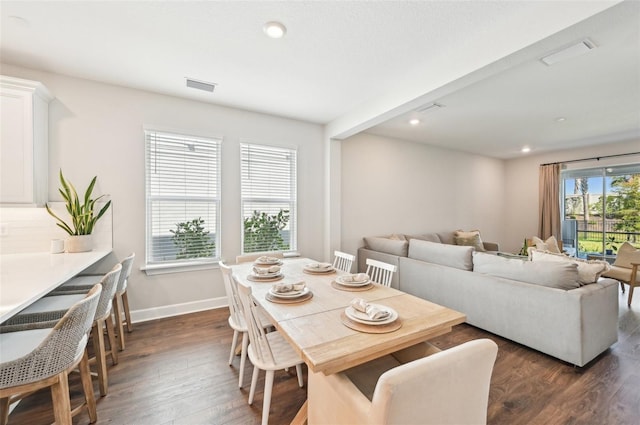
point(82, 243)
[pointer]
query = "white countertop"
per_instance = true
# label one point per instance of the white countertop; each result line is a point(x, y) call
point(24, 278)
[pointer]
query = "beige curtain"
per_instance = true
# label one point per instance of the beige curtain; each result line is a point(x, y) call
point(549, 201)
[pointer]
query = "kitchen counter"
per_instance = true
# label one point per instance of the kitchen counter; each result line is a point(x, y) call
point(25, 278)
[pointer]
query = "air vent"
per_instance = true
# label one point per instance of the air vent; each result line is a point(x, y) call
point(201, 85)
point(430, 107)
point(569, 52)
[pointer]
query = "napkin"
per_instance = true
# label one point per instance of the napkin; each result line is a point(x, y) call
point(266, 270)
point(281, 288)
point(360, 277)
point(373, 312)
point(319, 266)
point(266, 259)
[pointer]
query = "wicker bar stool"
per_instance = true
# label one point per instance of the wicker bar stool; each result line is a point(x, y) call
point(49, 309)
point(41, 358)
point(81, 284)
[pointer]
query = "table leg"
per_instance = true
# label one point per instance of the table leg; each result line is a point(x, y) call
point(301, 416)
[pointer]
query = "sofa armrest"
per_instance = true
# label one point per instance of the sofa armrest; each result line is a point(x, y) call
point(491, 246)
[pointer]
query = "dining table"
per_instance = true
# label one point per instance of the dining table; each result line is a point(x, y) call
point(322, 334)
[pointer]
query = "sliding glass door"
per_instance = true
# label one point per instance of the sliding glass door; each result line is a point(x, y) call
point(601, 210)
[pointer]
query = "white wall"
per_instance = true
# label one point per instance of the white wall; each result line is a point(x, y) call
point(97, 129)
point(521, 185)
point(394, 186)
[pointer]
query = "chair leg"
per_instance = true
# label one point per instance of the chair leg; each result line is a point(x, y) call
point(127, 313)
point(630, 295)
point(87, 386)
point(119, 322)
point(622, 287)
point(61, 402)
point(101, 360)
point(299, 373)
point(266, 398)
point(243, 357)
point(233, 346)
point(4, 410)
point(254, 381)
point(113, 351)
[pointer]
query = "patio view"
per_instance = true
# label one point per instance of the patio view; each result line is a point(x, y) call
point(601, 211)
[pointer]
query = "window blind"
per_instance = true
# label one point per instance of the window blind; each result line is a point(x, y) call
point(183, 197)
point(268, 192)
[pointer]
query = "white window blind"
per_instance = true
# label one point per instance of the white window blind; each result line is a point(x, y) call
point(183, 197)
point(268, 186)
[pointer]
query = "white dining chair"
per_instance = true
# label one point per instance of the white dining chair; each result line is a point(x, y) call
point(413, 386)
point(380, 272)
point(246, 258)
point(267, 351)
point(43, 357)
point(343, 261)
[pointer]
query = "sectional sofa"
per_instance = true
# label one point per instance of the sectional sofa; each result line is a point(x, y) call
point(541, 304)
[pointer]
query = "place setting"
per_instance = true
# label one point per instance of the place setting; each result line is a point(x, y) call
point(289, 293)
point(370, 318)
point(352, 282)
point(318, 268)
point(266, 261)
point(265, 274)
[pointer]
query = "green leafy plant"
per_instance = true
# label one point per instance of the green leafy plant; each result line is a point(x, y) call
point(262, 231)
point(82, 214)
point(192, 240)
point(611, 244)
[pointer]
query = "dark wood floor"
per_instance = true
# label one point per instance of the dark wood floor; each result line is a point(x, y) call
point(174, 371)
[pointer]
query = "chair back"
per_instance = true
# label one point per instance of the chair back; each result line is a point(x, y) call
point(61, 348)
point(343, 261)
point(246, 258)
point(127, 265)
point(109, 284)
point(257, 336)
point(231, 289)
point(380, 272)
point(449, 387)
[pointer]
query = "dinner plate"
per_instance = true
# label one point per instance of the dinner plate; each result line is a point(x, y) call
point(266, 275)
point(319, 270)
point(290, 294)
point(340, 280)
point(360, 317)
point(275, 262)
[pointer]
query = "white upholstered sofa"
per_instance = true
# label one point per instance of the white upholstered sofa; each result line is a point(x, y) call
point(571, 322)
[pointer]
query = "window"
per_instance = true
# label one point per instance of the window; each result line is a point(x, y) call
point(601, 210)
point(268, 186)
point(183, 199)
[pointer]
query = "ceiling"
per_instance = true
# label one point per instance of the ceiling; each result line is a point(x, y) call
point(375, 62)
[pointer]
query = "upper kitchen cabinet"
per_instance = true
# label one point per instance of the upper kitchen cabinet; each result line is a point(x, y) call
point(24, 159)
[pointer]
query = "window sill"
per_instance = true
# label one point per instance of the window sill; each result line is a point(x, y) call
point(190, 266)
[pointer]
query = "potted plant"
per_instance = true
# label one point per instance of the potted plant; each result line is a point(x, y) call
point(83, 217)
point(610, 245)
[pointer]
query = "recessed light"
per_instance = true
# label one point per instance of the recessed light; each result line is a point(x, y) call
point(561, 119)
point(274, 29)
point(526, 149)
point(414, 121)
point(200, 85)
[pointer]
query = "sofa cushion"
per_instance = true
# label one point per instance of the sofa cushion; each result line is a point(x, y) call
point(551, 244)
point(388, 246)
point(589, 271)
point(627, 254)
point(471, 238)
point(561, 275)
point(431, 237)
point(443, 254)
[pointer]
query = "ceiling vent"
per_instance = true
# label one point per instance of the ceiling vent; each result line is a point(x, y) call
point(201, 85)
point(430, 107)
point(569, 52)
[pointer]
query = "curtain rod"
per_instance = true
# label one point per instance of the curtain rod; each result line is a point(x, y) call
point(597, 158)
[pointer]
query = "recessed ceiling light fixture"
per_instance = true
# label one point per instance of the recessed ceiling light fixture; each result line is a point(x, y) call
point(525, 149)
point(201, 85)
point(274, 29)
point(414, 121)
point(561, 119)
point(568, 52)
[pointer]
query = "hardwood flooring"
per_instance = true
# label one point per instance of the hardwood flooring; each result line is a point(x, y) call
point(174, 372)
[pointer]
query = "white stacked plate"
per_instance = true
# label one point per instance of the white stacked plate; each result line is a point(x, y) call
point(266, 275)
point(271, 262)
point(289, 294)
point(309, 268)
point(360, 317)
point(341, 280)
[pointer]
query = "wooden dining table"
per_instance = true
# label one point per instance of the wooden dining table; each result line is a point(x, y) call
point(316, 328)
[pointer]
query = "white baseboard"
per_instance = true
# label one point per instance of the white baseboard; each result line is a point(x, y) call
point(177, 309)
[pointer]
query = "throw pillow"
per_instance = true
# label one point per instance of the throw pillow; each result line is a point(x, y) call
point(551, 244)
point(397, 237)
point(388, 246)
point(443, 254)
point(559, 275)
point(471, 238)
point(627, 254)
point(589, 271)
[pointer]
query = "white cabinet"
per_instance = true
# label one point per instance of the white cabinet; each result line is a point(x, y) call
point(24, 129)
